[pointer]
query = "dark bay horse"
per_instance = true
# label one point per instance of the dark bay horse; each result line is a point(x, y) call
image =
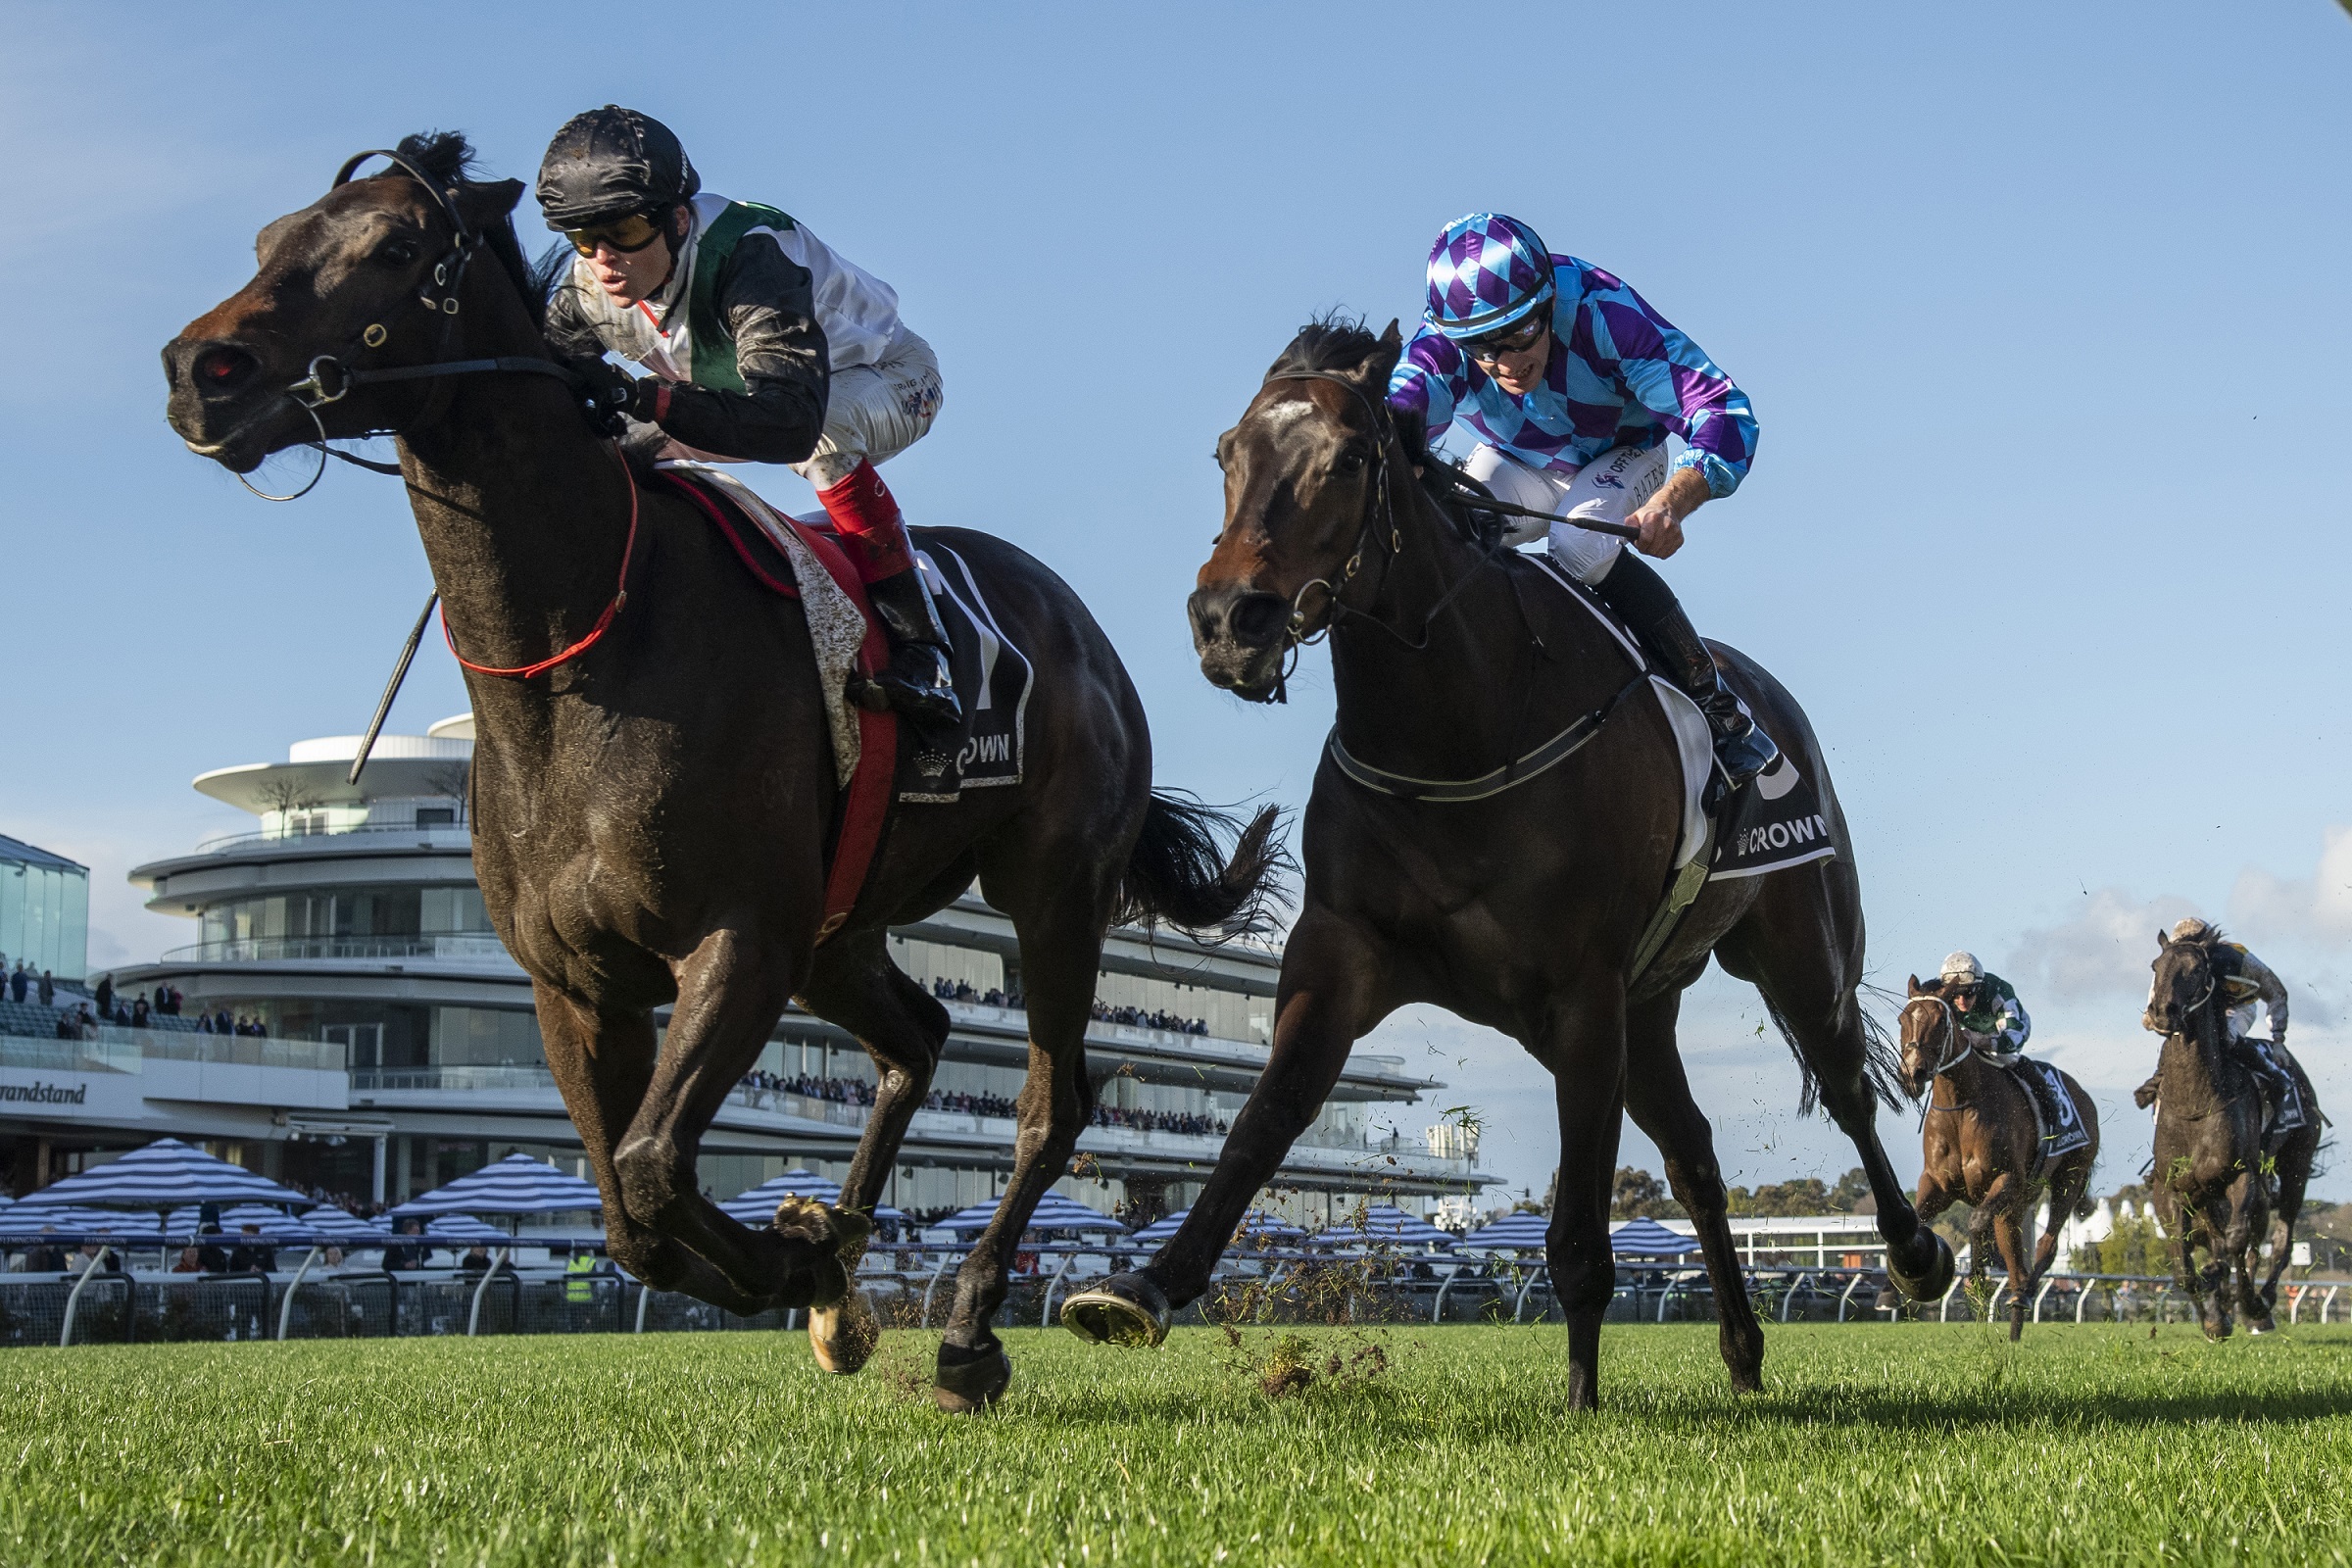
point(1520, 910)
point(652, 818)
point(1981, 1143)
point(2216, 1185)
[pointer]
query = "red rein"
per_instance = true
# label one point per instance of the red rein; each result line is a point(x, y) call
point(604, 622)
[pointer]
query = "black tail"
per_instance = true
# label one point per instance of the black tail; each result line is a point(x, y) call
point(1180, 872)
point(1881, 1058)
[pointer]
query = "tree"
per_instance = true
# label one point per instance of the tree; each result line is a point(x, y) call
point(1633, 1193)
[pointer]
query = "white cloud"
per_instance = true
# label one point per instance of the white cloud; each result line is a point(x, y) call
point(2314, 909)
point(2103, 948)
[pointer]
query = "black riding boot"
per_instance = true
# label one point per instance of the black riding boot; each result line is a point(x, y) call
point(1637, 593)
point(916, 682)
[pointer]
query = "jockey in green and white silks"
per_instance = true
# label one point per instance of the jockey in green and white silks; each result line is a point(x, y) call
point(1986, 1004)
point(761, 344)
point(2245, 982)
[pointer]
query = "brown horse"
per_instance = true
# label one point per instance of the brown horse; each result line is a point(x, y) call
point(651, 817)
point(1519, 901)
point(1982, 1143)
point(2217, 1186)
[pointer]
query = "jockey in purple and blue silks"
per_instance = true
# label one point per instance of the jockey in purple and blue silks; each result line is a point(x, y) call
point(1573, 384)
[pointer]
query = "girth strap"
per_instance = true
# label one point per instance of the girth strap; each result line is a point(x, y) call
point(1455, 792)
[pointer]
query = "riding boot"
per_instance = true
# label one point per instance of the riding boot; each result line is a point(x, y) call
point(1639, 594)
point(917, 682)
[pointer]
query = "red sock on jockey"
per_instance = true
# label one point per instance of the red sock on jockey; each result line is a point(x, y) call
point(863, 508)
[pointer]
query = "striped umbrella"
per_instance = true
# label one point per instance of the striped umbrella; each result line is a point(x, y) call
point(326, 1222)
point(462, 1228)
point(1519, 1231)
point(27, 1220)
point(164, 1175)
point(516, 1185)
point(1054, 1212)
point(757, 1206)
point(1385, 1223)
point(1646, 1237)
point(1257, 1225)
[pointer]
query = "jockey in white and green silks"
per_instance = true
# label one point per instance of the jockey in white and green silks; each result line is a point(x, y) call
point(761, 344)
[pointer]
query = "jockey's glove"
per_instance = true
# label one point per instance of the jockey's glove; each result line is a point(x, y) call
point(608, 394)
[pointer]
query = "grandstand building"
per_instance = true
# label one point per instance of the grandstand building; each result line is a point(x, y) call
point(401, 1049)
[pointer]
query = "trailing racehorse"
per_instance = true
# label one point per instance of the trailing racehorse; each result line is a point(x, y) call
point(1983, 1143)
point(655, 802)
point(1519, 901)
point(2216, 1185)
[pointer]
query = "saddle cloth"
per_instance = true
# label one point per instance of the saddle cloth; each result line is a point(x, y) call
point(1774, 824)
point(2060, 1125)
point(2288, 1115)
point(993, 680)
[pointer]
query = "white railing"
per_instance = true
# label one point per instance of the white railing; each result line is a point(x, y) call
point(463, 947)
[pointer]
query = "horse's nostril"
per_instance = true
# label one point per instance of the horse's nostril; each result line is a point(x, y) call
point(221, 369)
point(1258, 617)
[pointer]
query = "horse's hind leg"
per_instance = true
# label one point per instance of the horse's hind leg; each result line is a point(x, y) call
point(2067, 1184)
point(1059, 895)
point(903, 1028)
point(1583, 1043)
point(2009, 1232)
point(1801, 946)
point(2294, 1175)
point(1657, 1096)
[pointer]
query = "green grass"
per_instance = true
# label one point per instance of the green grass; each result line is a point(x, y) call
point(1911, 1443)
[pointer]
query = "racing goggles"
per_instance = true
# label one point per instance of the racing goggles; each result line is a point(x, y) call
point(1487, 350)
point(626, 234)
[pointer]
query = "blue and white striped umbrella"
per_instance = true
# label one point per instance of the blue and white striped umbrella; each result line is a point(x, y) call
point(1387, 1224)
point(165, 1174)
point(326, 1222)
point(1646, 1237)
point(462, 1228)
point(1054, 1212)
point(1519, 1231)
point(27, 1220)
point(515, 1184)
point(1257, 1225)
point(757, 1206)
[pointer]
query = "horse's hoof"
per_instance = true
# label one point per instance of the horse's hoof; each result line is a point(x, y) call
point(843, 1336)
point(1933, 1282)
point(1124, 1309)
point(2262, 1325)
point(969, 1382)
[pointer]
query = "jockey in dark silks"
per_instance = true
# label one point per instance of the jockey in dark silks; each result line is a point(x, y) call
point(2243, 981)
point(762, 345)
point(1574, 383)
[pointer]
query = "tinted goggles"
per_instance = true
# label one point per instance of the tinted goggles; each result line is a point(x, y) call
point(626, 234)
point(1487, 350)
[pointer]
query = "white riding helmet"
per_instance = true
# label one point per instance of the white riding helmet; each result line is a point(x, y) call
point(1963, 967)
point(2192, 929)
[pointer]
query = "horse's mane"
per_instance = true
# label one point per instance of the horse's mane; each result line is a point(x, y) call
point(447, 155)
point(1332, 342)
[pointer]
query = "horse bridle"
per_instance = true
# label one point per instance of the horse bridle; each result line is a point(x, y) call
point(1384, 507)
point(328, 380)
point(1957, 1049)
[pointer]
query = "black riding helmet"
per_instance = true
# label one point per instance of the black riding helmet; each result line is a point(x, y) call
point(608, 161)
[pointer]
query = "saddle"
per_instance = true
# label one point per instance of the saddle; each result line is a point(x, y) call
point(2281, 1086)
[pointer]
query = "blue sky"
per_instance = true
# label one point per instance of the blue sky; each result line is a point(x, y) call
point(2042, 311)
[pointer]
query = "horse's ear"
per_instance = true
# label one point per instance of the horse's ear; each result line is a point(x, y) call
point(2164, 940)
point(1374, 367)
point(490, 201)
point(267, 240)
point(1916, 989)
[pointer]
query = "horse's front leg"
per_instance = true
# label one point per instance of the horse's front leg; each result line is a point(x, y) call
point(2007, 1203)
point(731, 989)
point(2249, 1219)
point(1335, 987)
point(1583, 1043)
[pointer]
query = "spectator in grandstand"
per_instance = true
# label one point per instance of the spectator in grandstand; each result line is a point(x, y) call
point(138, 1013)
point(477, 1258)
point(19, 983)
point(69, 1027)
point(251, 1255)
point(43, 1256)
point(191, 1261)
point(82, 1261)
point(48, 989)
point(414, 1255)
point(106, 996)
point(221, 1025)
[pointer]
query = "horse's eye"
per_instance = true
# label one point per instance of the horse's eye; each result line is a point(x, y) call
point(1352, 462)
point(397, 252)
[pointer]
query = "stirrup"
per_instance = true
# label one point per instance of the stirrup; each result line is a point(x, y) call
point(930, 700)
point(1742, 756)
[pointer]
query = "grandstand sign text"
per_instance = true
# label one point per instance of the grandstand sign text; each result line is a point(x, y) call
point(81, 1097)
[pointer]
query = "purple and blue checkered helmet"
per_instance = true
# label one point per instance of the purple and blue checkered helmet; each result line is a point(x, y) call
point(1486, 274)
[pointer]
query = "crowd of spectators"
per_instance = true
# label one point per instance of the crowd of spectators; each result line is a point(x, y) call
point(856, 1092)
point(1101, 1011)
point(25, 980)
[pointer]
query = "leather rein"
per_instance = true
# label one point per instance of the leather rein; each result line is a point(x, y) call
point(1956, 1048)
point(1404, 786)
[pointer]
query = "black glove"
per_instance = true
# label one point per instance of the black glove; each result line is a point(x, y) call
point(607, 393)
point(1412, 433)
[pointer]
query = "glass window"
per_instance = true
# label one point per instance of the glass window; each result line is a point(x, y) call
point(486, 1037)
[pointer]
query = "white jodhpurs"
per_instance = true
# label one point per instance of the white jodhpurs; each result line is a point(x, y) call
point(1607, 489)
point(875, 411)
